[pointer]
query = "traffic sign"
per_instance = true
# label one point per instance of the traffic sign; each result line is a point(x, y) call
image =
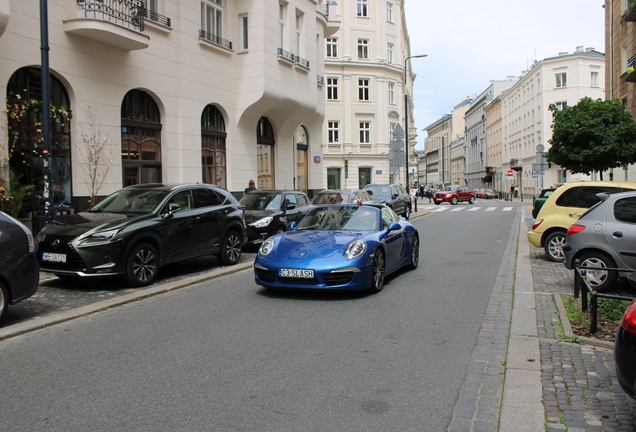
point(511, 173)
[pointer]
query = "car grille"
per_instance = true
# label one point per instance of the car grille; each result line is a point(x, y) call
point(266, 275)
point(298, 281)
point(73, 260)
point(340, 278)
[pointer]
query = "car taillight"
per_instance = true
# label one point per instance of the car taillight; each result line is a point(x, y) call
point(574, 228)
point(629, 319)
point(536, 224)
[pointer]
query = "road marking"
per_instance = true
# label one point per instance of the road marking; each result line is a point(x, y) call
point(458, 209)
point(491, 208)
point(507, 209)
point(441, 209)
point(474, 209)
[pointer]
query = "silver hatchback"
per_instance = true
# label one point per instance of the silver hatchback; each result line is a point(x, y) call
point(604, 237)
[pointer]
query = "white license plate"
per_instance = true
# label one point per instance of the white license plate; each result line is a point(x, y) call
point(53, 257)
point(297, 273)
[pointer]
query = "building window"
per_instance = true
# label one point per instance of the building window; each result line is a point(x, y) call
point(391, 92)
point(389, 52)
point(364, 91)
point(281, 24)
point(389, 12)
point(332, 47)
point(299, 35)
point(213, 137)
point(363, 49)
point(594, 79)
point(140, 139)
point(334, 178)
point(212, 17)
point(365, 132)
point(302, 167)
point(244, 33)
point(333, 132)
point(332, 88)
point(363, 8)
point(560, 105)
point(265, 154)
point(561, 80)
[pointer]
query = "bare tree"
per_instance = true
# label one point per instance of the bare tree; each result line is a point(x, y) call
point(95, 149)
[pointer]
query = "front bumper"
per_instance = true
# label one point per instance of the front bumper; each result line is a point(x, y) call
point(97, 260)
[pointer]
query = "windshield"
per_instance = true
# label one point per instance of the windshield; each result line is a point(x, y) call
point(378, 191)
point(330, 198)
point(353, 218)
point(132, 201)
point(450, 188)
point(261, 201)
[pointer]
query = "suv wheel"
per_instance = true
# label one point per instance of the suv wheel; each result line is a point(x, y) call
point(454, 200)
point(4, 301)
point(553, 246)
point(472, 200)
point(600, 280)
point(230, 252)
point(407, 212)
point(142, 265)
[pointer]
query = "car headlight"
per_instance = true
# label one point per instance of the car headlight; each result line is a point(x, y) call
point(101, 237)
point(355, 249)
point(266, 247)
point(262, 223)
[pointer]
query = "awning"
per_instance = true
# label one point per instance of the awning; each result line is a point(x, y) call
point(488, 178)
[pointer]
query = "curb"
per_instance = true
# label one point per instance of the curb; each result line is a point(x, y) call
point(43, 322)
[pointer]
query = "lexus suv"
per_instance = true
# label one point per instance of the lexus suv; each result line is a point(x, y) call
point(393, 195)
point(140, 228)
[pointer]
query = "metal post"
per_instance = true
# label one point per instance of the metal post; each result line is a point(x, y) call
point(406, 119)
point(46, 108)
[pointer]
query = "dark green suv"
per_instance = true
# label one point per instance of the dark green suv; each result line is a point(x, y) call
point(540, 200)
point(140, 228)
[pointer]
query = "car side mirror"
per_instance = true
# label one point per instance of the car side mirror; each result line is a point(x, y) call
point(394, 226)
point(370, 193)
point(172, 209)
point(290, 206)
point(292, 226)
point(394, 196)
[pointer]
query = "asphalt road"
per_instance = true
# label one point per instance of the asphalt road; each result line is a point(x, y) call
point(226, 355)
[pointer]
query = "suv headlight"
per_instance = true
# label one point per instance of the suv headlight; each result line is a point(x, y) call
point(262, 223)
point(101, 236)
point(355, 249)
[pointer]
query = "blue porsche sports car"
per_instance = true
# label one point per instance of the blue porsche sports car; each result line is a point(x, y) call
point(340, 247)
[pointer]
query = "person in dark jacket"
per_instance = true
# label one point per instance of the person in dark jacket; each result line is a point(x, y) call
point(250, 187)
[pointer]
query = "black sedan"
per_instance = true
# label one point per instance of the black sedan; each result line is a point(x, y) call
point(625, 347)
point(19, 275)
point(140, 228)
point(393, 195)
point(268, 212)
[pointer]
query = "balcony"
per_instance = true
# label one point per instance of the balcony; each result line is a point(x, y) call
point(292, 58)
point(630, 72)
point(630, 15)
point(119, 23)
point(157, 18)
point(215, 40)
point(320, 79)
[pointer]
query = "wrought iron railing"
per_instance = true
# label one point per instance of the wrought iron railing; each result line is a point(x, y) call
point(302, 62)
point(320, 79)
point(216, 40)
point(127, 13)
point(157, 18)
point(287, 55)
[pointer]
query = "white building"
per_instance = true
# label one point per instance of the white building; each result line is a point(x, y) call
point(562, 80)
point(216, 91)
point(364, 80)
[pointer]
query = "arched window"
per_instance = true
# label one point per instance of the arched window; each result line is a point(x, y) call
point(302, 168)
point(213, 147)
point(140, 139)
point(265, 153)
point(26, 142)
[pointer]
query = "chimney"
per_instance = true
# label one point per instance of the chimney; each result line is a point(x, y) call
point(589, 49)
point(579, 49)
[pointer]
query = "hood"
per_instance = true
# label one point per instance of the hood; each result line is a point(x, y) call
point(252, 216)
point(314, 244)
point(79, 223)
point(381, 200)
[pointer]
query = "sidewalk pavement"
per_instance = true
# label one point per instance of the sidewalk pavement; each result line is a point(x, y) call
point(524, 374)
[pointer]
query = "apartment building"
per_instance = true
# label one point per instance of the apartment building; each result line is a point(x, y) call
point(214, 91)
point(494, 144)
point(561, 80)
point(620, 63)
point(365, 82)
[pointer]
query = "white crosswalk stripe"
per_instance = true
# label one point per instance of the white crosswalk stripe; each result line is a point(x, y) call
point(474, 208)
point(458, 209)
point(507, 209)
point(491, 209)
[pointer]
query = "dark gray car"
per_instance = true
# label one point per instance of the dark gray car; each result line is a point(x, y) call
point(604, 237)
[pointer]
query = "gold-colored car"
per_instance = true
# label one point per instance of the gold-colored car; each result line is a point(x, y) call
point(566, 204)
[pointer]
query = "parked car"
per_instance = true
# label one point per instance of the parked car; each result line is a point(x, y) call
point(338, 247)
point(480, 193)
point(562, 208)
point(268, 212)
point(19, 274)
point(625, 348)
point(604, 237)
point(454, 194)
point(138, 229)
point(540, 200)
point(341, 196)
point(490, 194)
point(393, 195)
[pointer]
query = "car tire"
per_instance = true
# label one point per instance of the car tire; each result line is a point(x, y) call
point(280, 229)
point(230, 252)
point(415, 252)
point(454, 201)
point(437, 203)
point(472, 200)
point(407, 212)
point(599, 280)
point(553, 246)
point(377, 272)
point(142, 265)
point(4, 301)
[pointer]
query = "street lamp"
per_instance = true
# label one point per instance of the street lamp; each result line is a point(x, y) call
point(406, 122)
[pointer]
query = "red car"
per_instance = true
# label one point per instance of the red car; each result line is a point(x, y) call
point(490, 194)
point(454, 194)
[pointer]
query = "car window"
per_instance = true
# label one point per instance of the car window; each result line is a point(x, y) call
point(302, 200)
point(625, 210)
point(183, 198)
point(387, 217)
point(566, 199)
point(587, 198)
point(289, 199)
point(207, 198)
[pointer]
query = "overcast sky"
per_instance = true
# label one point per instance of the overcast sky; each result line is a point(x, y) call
point(469, 43)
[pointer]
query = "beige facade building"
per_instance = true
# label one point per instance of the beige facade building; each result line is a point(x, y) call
point(215, 91)
point(494, 142)
point(364, 81)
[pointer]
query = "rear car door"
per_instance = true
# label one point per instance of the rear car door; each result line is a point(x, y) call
point(620, 229)
point(212, 212)
point(397, 199)
point(180, 232)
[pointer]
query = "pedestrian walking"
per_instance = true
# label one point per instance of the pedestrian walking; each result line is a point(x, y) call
point(429, 194)
point(251, 186)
